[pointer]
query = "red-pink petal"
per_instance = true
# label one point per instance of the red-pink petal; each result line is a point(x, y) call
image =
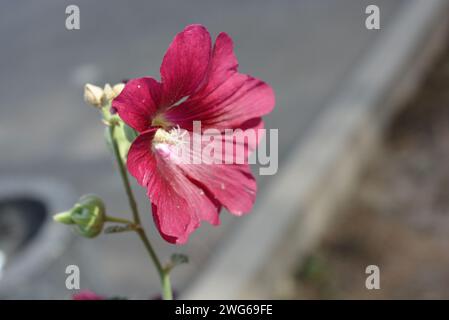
point(185, 64)
point(232, 185)
point(229, 183)
point(87, 295)
point(179, 205)
point(223, 64)
point(138, 102)
point(228, 98)
point(256, 125)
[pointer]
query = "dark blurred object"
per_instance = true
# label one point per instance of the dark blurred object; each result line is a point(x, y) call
point(20, 220)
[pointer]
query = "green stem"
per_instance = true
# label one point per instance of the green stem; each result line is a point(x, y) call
point(163, 274)
point(167, 293)
point(124, 175)
point(118, 220)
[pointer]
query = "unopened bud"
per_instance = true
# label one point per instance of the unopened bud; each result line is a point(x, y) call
point(108, 92)
point(112, 92)
point(118, 88)
point(88, 216)
point(93, 95)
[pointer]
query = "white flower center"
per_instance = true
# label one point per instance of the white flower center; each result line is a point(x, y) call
point(174, 136)
point(168, 142)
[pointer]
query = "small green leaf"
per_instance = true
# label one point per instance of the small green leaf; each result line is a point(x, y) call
point(178, 258)
point(122, 141)
point(175, 260)
point(130, 133)
point(107, 138)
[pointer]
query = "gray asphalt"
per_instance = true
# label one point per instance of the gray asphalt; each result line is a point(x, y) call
point(304, 49)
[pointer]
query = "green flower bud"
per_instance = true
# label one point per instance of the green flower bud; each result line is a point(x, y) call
point(87, 216)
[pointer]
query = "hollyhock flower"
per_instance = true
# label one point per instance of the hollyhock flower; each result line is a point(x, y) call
point(198, 83)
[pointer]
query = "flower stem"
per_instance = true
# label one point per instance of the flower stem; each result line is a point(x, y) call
point(163, 274)
point(118, 220)
point(124, 175)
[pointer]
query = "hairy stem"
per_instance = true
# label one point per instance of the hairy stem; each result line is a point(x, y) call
point(163, 274)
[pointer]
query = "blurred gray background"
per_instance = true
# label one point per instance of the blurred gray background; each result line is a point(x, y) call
point(302, 48)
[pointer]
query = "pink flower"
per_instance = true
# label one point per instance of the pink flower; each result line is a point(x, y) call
point(198, 83)
point(87, 295)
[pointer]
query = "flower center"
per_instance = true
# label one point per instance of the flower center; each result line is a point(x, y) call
point(170, 143)
point(160, 121)
point(162, 136)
